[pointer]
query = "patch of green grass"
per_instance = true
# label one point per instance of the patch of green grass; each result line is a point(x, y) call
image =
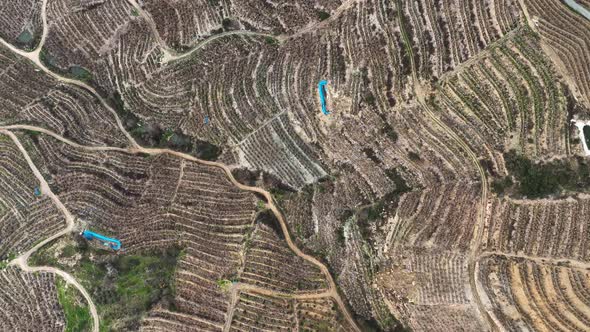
point(134, 12)
point(142, 277)
point(278, 195)
point(140, 282)
point(166, 136)
point(43, 257)
point(299, 231)
point(77, 315)
point(91, 274)
point(138, 130)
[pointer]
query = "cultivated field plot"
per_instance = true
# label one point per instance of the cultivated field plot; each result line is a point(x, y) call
point(446, 33)
point(432, 218)
point(257, 312)
point(443, 317)
point(526, 295)
point(278, 149)
point(557, 229)
point(445, 190)
point(173, 202)
point(31, 97)
point(183, 23)
point(507, 97)
point(566, 33)
point(24, 217)
point(28, 301)
point(20, 22)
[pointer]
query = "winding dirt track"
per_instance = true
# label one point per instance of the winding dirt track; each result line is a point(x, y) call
point(21, 260)
point(172, 55)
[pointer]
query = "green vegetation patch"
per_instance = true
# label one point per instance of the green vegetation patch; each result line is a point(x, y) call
point(230, 24)
point(260, 205)
point(75, 308)
point(123, 287)
point(143, 277)
point(27, 39)
point(32, 134)
point(500, 186)
point(128, 286)
point(542, 179)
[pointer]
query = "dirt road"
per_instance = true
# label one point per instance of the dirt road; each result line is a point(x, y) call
point(21, 260)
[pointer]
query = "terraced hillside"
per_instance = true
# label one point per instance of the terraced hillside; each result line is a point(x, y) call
point(20, 22)
point(566, 34)
point(29, 300)
point(26, 217)
point(445, 191)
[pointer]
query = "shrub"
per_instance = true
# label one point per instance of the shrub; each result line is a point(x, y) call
point(500, 185)
point(271, 41)
point(390, 132)
point(322, 15)
point(413, 156)
point(80, 73)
